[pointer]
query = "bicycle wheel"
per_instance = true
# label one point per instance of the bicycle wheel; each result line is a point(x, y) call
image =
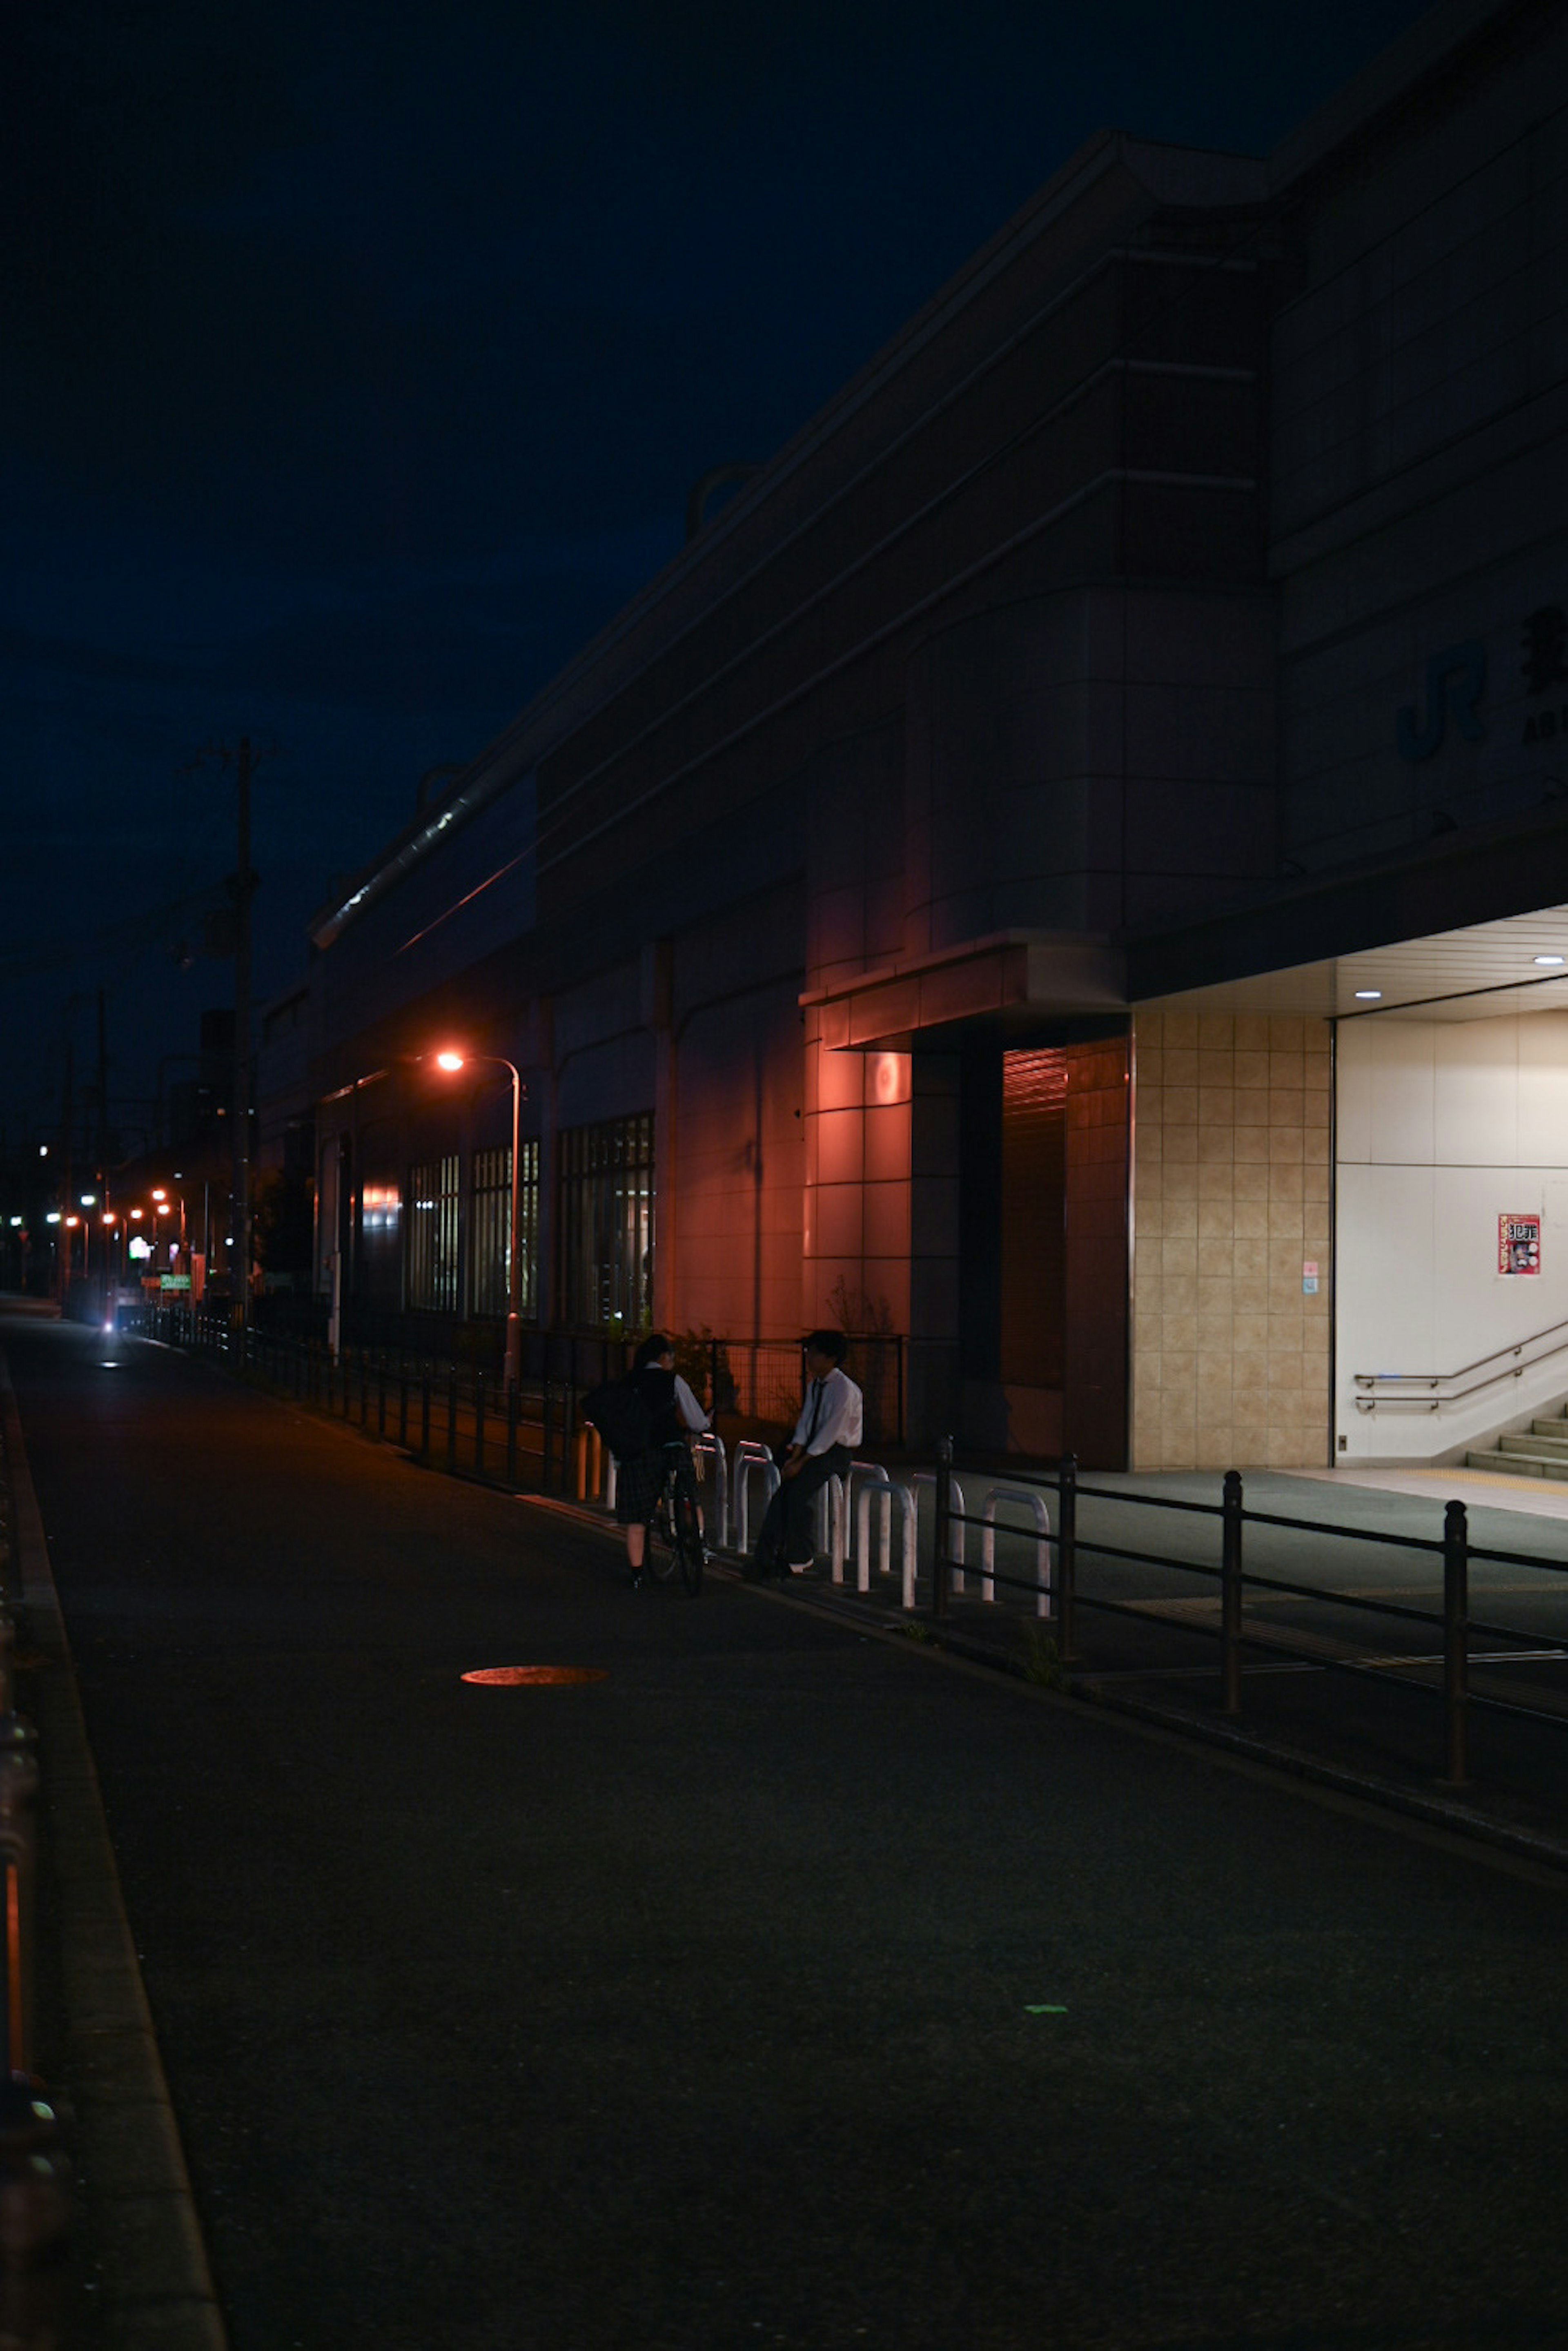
point(689, 1543)
point(660, 1550)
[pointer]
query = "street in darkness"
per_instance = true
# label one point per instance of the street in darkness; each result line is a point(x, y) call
point(782, 1985)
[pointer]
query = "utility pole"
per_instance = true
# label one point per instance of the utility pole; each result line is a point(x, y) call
point(242, 1052)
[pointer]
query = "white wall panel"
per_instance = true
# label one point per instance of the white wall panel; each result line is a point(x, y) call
point(1474, 1095)
point(1442, 1128)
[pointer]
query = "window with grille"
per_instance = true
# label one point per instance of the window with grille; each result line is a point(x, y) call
point(607, 1225)
point(431, 1260)
point(490, 1231)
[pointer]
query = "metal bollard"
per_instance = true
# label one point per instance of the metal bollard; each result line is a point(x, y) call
point(1067, 1562)
point(1230, 1595)
point(19, 1801)
point(941, 1574)
point(1455, 1646)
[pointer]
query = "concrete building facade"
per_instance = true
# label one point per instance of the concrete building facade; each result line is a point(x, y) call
point(948, 900)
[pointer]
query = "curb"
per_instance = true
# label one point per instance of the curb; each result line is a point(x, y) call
point(154, 2290)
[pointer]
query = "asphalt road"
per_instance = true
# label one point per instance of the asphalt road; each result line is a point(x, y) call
point(783, 1986)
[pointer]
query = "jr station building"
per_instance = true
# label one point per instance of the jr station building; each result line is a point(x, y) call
point(1069, 867)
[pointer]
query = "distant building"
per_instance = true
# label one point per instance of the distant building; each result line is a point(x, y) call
point(1061, 869)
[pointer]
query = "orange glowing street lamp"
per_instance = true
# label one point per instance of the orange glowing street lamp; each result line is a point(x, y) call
point(451, 1060)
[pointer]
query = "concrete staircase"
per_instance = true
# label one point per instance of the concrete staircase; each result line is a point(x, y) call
point(1541, 1451)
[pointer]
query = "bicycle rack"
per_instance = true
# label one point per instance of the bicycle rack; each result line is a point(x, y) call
point(924, 1482)
point(1035, 1503)
point(749, 1455)
point(884, 1488)
point(708, 1446)
point(832, 1524)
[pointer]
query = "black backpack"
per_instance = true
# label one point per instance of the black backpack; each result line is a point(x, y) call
point(619, 1411)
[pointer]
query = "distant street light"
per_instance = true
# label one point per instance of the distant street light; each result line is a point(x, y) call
point(451, 1061)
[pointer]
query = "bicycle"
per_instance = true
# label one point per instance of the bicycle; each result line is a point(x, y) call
point(674, 1532)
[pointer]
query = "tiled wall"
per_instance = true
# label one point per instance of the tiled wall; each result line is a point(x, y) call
point(1230, 1198)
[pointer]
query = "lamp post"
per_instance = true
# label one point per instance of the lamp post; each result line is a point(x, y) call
point(451, 1060)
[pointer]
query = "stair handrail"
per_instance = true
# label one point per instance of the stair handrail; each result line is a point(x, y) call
point(1436, 1379)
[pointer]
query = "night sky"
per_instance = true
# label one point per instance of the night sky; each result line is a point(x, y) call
point(357, 361)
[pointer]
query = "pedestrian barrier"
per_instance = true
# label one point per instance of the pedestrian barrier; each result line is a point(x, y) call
point(883, 1491)
point(831, 1513)
point(750, 1456)
point(707, 1446)
point(1033, 1502)
point(928, 1481)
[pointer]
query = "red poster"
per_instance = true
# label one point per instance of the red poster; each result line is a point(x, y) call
point(1519, 1244)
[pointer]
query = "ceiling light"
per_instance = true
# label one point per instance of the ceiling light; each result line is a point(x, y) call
point(1551, 958)
point(1369, 996)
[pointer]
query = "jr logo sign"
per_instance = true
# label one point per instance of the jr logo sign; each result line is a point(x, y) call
point(1456, 680)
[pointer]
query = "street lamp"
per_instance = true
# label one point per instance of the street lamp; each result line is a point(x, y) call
point(451, 1061)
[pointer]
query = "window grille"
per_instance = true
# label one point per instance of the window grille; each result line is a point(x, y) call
point(432, 1196)
point(489, 1246)
point(607, 1226)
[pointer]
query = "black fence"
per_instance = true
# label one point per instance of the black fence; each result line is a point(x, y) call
point(1444, 1675)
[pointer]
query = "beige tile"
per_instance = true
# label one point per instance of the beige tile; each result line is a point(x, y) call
point(1214, 1252)
point(1178, 1255)
point(1150, 1292)
point(1180, 1370)
point(1181, 1030)
point(1216, 1106)
point(1148, 1028)
point(1250, 1335)
point(1284, 1372)
point(1178, 1294)
point(1178, 1338)
point(1315, 1244)
point(1213, 1380)
point(1285, 1224)
point(1252, 1143)
point(1148, 1217)
point(1284, 1145)
point(1249, 1370)
point(1249, 1419)
point(1150, 1071)
point(1316, 1180)
point(1180, 1176)
point(1181, 1104)
point(1251, 1179)
point(1286, 1181)
point(1252, 1106)
point(1285, 1106)
point(1318, 1073)
point(1216, 1145)
point(1214, 1327)
point(1252, 1072)
point(1250, 1219)
point(1148, 1118)
point(1250, 1295)
point(1285, 1258)
point(1249, 1256)
point(1216, 1179)
point(1146, 1180)
point(1287, 1069)
point(1315, 1111)
point(1181, 1144)
point(1217, 1222)
point(1215, 1446)
point(1215, 1031)
point(1180, 1066)
point(1287, 1032)
point(1284, 1312)
point(1180, 1218)
point(1283, 1450)
point(1253, 1032)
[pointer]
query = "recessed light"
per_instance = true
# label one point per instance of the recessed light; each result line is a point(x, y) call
point(1369, 996)
point(1551, 958)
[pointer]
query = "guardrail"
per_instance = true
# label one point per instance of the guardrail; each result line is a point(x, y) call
point(35, 2200)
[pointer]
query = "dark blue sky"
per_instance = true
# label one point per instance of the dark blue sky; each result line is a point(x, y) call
point(357, 362)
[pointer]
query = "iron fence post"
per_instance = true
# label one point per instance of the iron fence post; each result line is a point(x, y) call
point(1230, 1595)
point(1067, 1562)
point(1455, 1645)
point(940, 1574)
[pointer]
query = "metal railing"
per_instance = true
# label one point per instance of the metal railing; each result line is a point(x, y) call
point(1452, 1623)
point(1428, 1384)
